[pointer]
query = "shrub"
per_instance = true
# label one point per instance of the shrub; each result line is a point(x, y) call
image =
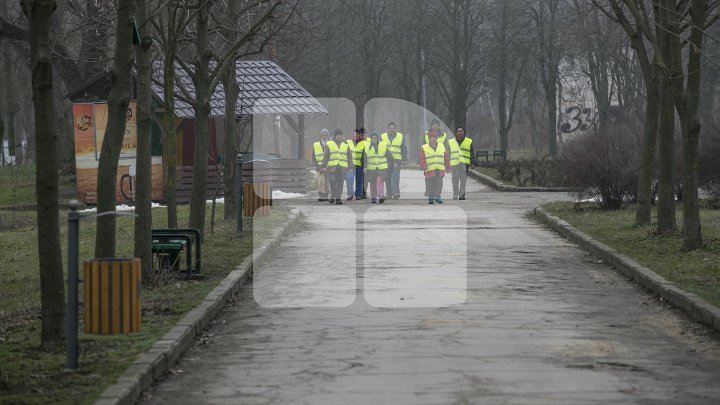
point(605, 166)
point(529, 172)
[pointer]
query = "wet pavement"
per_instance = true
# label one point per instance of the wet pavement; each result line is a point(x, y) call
point(465, 302)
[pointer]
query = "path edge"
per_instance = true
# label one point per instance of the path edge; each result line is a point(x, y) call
point(164, 354)
point(498, 186)
point(694, 306)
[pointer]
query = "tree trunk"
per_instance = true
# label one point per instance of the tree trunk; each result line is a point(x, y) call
point(52, 290)
point(666, 140)
point(692, 232)
point(118, 103)
point(666, 153)
point(231, 149)
point(143, 195)
point(170, 133)
point(643, 213)
point(232, 91)
point(502, 102)
point(201, 79)
point(551, 100)
point(2, 136)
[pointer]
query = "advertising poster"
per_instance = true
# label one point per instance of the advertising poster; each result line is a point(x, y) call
point(90, 123)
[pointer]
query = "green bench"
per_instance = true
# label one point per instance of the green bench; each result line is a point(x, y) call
point(169, 244)
point(482, 153)
point(499, 154)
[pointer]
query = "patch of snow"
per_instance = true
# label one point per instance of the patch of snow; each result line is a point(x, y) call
point(121, 207)
point(280, 195)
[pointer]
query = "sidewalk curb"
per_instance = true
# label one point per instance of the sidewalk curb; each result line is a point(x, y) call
point(154, 363)
point(696, 307)
point(496, 185)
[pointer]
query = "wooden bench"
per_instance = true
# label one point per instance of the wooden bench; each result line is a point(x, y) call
point(482, 153)
point(169, 244)
point(499, 154)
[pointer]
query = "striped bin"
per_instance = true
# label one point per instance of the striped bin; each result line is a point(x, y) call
point(112, 296)
point(257, 199)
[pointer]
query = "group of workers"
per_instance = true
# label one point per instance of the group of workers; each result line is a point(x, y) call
point(373, 164)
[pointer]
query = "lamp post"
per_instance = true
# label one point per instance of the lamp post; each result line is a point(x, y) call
point(72, 287)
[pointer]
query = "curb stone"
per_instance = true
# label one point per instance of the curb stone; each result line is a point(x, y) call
point(496, 185)
point(694, 306)
point(163, 355)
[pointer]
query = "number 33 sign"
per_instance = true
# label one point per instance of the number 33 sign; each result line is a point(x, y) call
point(578, 119)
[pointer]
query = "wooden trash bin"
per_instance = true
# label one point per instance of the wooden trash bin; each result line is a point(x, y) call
point(112, 296)
point(257, 199)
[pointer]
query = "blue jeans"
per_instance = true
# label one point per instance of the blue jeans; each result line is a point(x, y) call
point(359, 181)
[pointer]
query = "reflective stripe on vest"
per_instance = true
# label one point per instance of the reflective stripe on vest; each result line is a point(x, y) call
point(441, 139)
point(376, 157)
point(319, 153)
point(395, 145)
point(357, 151)
point(338, 155)
point(351, 146)
point(460, 153)
point(434, 158)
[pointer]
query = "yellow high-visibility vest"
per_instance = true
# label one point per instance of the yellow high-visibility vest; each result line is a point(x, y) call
point(434, 158)
point(351, 146)
point(338, 154)
point(395, 145)
point(460, 153)
point(441, 139)
point(319, 153)
point(357, 151)
point(376, 157)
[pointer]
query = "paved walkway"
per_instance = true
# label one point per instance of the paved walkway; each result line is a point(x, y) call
point(474, 304)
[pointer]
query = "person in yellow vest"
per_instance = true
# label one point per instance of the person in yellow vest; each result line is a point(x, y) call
point(319, 148)
point(435, 162)
point(337, 161)
point(396, 143)
point(354, 179)
point(441, 137)
point(377, 160)
point(462, 155)
point(435, 127)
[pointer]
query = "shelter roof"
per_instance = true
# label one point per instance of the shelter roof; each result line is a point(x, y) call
point(265, 89)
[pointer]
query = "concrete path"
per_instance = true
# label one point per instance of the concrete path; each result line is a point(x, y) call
point(468, 302)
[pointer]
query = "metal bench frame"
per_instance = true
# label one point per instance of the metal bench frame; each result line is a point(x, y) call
point(187, 235)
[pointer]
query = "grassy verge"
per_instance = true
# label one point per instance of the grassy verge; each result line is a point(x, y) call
point(697, 272)
point(28, 376)
point(489, 171)
point(18, 185)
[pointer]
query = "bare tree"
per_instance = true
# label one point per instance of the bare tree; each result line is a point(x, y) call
point(673, 25)
point(205, 79)
point(232, 92)
point(143, 194)
point(643, 50)
point(52, 291)
point(687, 26)
point(170, 27)
point(547, 17)
point(511, 63)
point(459, 55)
point(118, 103)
